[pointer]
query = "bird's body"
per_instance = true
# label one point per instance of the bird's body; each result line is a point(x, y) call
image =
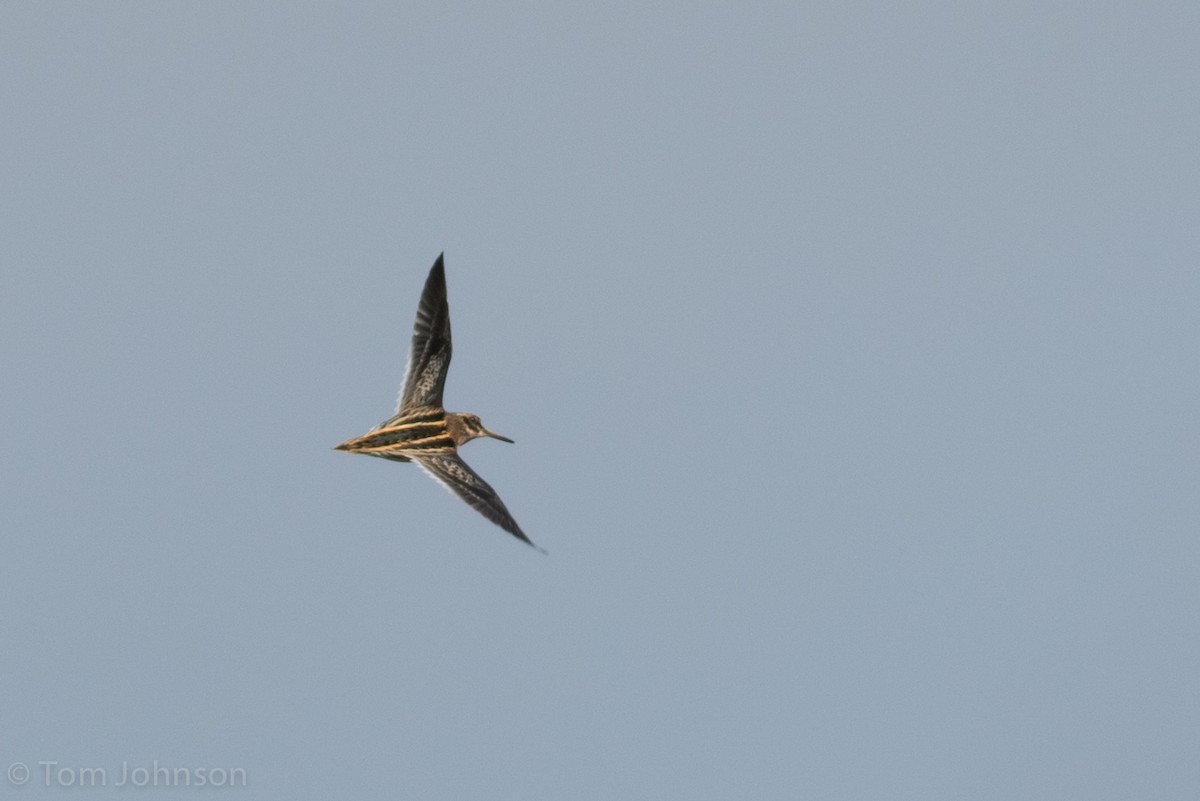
point(422, 431)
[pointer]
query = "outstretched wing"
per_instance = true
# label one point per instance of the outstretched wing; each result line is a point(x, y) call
point(429, 355)
point(452, 473)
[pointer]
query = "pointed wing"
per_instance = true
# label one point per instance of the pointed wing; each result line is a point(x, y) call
point(429, 355)
point(452, 473)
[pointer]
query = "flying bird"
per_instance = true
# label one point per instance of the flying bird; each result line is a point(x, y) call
point(421, 430)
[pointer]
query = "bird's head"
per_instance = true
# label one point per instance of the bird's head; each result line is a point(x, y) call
point(466, 427)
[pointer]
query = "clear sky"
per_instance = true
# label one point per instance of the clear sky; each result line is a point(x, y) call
point(850, 353)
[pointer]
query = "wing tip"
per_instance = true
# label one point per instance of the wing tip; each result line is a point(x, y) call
point(521, 536)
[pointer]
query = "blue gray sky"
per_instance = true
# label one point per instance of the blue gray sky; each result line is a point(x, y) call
point(850, 353)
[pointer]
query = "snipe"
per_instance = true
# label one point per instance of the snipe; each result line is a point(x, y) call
point(422, 431)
